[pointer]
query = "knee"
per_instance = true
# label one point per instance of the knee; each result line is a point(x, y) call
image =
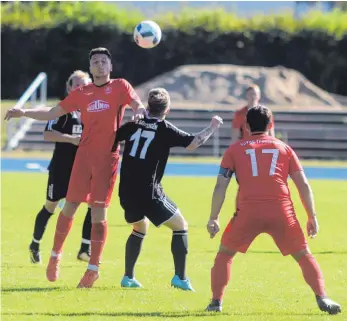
point(51, 206)
point(141, 226)
point(99, 214)
point(298, 255)
point(70, 208)
point(181, 223)
point(226, 251)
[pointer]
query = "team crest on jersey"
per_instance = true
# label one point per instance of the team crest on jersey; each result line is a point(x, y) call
point(98, 105)
point(108, 90)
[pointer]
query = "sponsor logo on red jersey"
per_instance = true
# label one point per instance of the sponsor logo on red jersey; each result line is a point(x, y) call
point(98, 105)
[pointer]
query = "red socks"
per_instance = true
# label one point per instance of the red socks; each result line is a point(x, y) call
point(312, 274)
point(220, 275)
point(63, 228)
point(98, 239)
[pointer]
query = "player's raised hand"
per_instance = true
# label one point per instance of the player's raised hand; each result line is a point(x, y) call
point(216, 121)
point(312, 227)
point(140, 113)
point(14, 113)
point(213, 228)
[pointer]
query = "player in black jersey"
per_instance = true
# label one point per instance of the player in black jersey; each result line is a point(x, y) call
point(146, 151)
point(65, 132)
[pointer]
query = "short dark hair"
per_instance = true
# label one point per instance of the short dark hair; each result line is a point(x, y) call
point(258, 118)
point(158, 101)
point(100, 50)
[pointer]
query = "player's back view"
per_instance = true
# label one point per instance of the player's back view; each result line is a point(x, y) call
point(262, 165)
point(146, 151)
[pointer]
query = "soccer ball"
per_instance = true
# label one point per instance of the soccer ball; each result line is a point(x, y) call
point(147, 34)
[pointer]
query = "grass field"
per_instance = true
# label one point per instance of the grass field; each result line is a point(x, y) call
point(264, 287)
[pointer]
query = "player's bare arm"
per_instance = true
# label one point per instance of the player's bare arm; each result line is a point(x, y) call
point(39, 113)
point(307, 199)
point(235, 135)
point(218, 198)
point(205, 134)
point(58, 137)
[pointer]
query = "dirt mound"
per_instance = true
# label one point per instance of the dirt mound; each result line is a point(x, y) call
point(223, 86)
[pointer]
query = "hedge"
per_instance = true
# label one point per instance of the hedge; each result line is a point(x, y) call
point(50, 14)
point(62, 44)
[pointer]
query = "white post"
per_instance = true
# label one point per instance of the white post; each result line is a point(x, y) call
point(16, 130)
point(216, 144)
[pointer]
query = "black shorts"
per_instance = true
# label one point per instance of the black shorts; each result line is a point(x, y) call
point(157, 211)
point(58, 183)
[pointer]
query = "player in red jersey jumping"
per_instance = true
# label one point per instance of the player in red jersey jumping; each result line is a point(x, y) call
point(262, 165)
point(94, 171)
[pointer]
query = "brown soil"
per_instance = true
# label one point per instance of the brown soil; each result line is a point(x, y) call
point(223, 87)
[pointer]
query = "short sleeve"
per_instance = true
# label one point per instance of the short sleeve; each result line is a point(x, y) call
point(56, 124)
point(227, 160)
point(122, 134)
point(124, 131)
point(294, 163)
point(128, 93)
point(176, 137)
point(237, 121)
point(71, 102)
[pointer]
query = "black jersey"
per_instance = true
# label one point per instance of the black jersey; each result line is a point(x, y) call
point(64, 153)
point(146, 151)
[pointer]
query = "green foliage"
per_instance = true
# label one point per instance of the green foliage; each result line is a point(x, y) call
point(34, 15)
point(50, 14)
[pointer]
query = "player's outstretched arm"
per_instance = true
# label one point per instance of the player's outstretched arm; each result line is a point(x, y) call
point(218, 198)
point(306, 195)
point(58, 137)
point(205, 134)
point(39, 113)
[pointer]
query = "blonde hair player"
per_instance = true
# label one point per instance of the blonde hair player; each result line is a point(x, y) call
point(147, 148)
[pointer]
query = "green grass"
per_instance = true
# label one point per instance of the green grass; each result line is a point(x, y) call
point(264, 287)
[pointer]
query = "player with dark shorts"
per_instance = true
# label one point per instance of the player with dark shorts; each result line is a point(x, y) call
point(65, 132)
point(146, 151)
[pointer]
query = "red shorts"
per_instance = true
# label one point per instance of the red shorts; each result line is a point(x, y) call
point(246, 225)
point(93, 178)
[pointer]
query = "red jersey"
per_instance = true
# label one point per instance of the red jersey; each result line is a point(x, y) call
point(102, 110)
point(240, 120)
point(261, 165)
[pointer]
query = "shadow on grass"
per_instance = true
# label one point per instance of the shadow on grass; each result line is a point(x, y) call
point(9, 290)
point(65, 289)
point(164, 314)
point(278, 252)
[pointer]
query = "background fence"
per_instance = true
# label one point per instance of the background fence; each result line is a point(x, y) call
point(314, 135)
